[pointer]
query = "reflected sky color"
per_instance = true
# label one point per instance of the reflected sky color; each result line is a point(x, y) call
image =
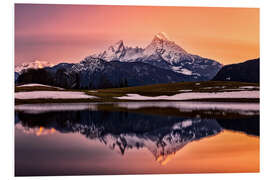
point(226, 152)
point(58, 33)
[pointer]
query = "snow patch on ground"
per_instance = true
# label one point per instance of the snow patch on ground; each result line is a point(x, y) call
point(241, 88)
point(185, 90)
point(93, 91)
point(191, 96)
point(213, 87)
point(34, 84)
point(249, 87)
point(52, 95)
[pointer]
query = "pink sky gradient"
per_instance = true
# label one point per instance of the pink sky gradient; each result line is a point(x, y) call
point(68, 33)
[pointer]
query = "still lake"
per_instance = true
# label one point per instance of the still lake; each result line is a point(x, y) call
point(136, 138)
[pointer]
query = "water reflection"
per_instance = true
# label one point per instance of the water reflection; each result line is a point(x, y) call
point(121, 131)
point(163, 132)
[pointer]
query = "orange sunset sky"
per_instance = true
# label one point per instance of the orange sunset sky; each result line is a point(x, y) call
point(68, 33)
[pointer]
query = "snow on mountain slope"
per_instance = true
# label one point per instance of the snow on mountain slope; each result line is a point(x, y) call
point(163, 53)
point(160, 44)
point(162, 61)
point(168, 50)
point(89, 64)
point(114, 52)
point(181, 70)
point(96, 73)
point(119, 52)
point(35, 65)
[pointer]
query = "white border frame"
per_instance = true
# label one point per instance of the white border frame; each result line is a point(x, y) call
point(7, 85)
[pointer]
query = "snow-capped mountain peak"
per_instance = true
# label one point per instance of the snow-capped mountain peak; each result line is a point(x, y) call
point(163, 53)
point(160, 46)
point(161, 36)
point(168, 50)
point(117, 47)
point(34, 65)
point(114, 52)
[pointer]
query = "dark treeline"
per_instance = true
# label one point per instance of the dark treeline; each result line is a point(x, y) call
point(35, 76)
point(60, 78)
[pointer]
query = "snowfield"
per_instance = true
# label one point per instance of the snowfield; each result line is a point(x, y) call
point(249, 87)
point(52, 95)
point(190, 96)
point(185, 90)
point(241, 88)
point(33, 84)
point(42, 85)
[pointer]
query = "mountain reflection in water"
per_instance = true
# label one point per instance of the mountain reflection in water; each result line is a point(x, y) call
point(122, 130)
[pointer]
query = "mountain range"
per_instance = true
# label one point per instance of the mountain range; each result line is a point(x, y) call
point(162, 61)
point(163, 53)
point(35, 65)
point(19, 69)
